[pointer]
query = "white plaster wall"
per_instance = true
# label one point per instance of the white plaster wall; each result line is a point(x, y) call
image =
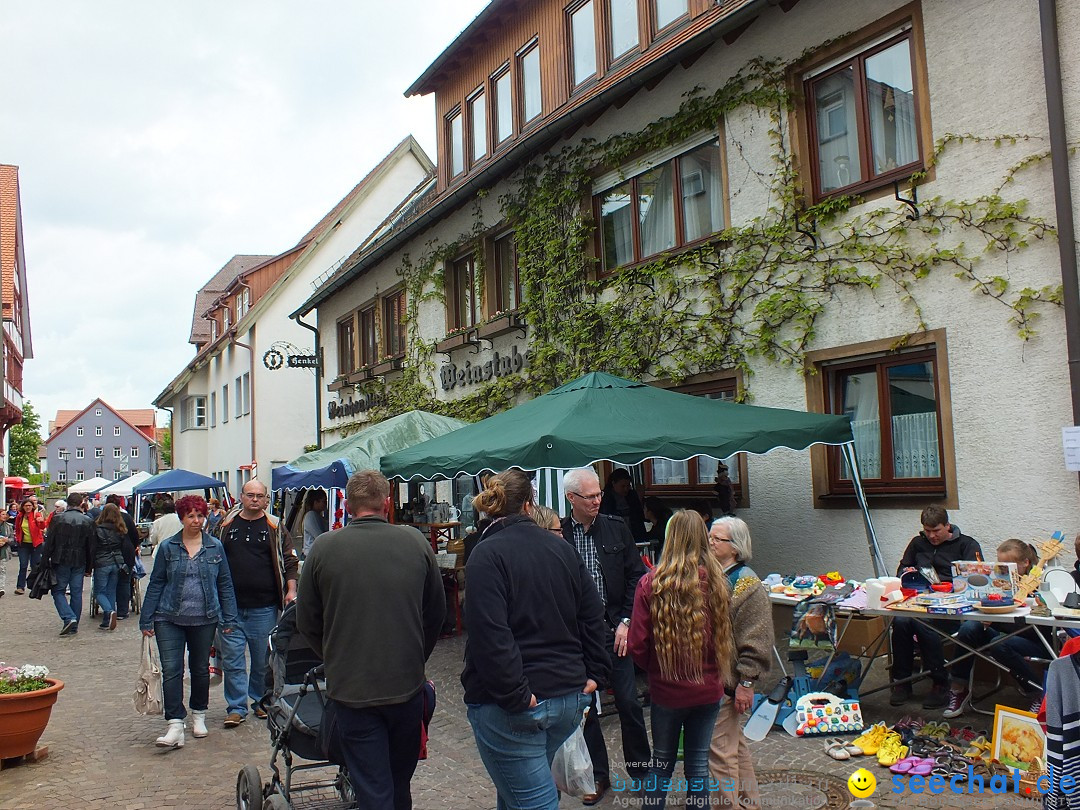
point(1009, 398)
point(228, 443)
point(189, 446)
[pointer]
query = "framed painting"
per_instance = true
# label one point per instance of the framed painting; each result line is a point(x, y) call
point(1017, 738)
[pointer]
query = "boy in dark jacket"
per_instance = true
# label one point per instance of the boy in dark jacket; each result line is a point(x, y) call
point(937, 546)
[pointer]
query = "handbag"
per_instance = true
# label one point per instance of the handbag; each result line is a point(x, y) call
point(572, 766)
point(216, 666)
point(147, 697)
point(140, 569)
point(41, 580)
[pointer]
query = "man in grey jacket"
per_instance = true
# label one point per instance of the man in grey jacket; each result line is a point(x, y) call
point(371, 604)
point(67, 549)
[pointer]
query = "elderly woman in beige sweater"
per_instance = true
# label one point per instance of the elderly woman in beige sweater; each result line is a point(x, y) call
point(751, 618)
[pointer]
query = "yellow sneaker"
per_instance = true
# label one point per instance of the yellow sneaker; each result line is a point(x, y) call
point(871, 739)
point(891, 750)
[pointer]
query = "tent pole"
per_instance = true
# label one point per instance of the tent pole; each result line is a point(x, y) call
point(871, 536)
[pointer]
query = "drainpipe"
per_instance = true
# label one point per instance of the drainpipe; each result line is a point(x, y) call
point(318, 380)
point(1059, 158)
point(251, 388)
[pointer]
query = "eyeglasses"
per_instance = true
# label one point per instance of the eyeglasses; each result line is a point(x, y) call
point(595, 497)
point(558, 531)
point(253, 494)
point(720, 539)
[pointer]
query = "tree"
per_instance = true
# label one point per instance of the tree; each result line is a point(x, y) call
point(25, 439)
point(166, 449)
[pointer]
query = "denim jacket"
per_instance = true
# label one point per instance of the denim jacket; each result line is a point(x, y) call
point(167, 582)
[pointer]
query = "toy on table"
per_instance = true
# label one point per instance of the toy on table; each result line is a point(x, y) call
point(831, 578)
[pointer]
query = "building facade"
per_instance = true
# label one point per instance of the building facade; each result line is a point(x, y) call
point(807, 205)
point(14, 303)
point(101, 442)
point(247, 401)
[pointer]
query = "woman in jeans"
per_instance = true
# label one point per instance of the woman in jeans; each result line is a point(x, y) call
point(680, 634)
point(109, 533)
point(29, 535)
point(189, 595)
point(534, 653)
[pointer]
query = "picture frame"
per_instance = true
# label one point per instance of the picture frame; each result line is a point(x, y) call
point(1017, 738)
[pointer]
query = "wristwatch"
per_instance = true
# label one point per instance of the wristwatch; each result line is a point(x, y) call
point(626, 621)
point(746, 684)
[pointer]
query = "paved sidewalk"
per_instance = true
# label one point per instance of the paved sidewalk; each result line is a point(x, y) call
point(102, 754)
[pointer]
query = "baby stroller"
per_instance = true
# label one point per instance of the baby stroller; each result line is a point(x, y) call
point(294, 706)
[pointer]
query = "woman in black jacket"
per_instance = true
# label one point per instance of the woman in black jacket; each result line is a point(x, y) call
point(535, 650)
point(110, 532)
point(622, 500)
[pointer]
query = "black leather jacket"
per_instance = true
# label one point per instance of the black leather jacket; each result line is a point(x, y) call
point(68, 540)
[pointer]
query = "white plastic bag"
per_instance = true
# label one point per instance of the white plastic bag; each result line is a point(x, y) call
point(572, 765)
point(147, 697)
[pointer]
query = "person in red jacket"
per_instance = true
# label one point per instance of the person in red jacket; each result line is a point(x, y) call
point(680, 634)
point(29, 535)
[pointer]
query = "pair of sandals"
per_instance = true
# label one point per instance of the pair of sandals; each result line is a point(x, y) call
point(914, 766)
point(979, 748)
point(935, 729)
point(842, 749)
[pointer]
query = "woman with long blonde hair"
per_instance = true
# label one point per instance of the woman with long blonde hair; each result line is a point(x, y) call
point(680, 634)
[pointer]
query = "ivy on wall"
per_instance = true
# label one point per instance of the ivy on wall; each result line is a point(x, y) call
point(753, 290)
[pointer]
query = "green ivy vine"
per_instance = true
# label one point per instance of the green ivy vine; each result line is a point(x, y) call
point(755, 290)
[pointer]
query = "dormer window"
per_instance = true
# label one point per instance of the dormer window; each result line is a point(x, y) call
point(213, 329)
point(225, 319)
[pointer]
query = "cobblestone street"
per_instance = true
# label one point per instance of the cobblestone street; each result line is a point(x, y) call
point(101, 753)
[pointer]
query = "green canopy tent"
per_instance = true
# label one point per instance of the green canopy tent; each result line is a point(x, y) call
point(600, 417)
point(331, 466)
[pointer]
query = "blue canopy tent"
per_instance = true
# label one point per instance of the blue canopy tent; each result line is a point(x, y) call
point(177, 481)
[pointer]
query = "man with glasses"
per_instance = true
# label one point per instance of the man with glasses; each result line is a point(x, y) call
point(264, 570)
point(607, 547)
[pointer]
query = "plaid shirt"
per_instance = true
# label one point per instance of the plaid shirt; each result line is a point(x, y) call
point(583, 541)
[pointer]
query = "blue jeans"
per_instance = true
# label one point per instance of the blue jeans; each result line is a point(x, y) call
point(29, 557)
point(253, 634)
point(696, 725)
point(380, 746)
point(1009, 653)
point(635, 739)
point(171, 639)
point(68, 576)
point(105, 590)
point(517, 748)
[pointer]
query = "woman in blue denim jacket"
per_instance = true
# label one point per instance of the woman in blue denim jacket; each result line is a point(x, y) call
point(190, 594)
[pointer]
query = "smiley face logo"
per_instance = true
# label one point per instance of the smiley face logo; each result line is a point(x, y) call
point(861, 783)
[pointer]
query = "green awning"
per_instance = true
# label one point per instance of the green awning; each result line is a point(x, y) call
point(602, 417)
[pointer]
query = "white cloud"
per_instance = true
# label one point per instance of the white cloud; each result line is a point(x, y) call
point(156, 140)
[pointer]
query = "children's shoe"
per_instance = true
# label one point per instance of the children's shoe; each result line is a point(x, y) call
point(870, 740)
point(891, 750)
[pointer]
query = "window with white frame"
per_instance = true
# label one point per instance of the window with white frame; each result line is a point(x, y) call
point(79, 452)
point(80, 475)
point(118, 474)
point(238, 399)
point(213, 409)
point(245, 388)
point(134, 452)
point(116, 430)
point(97, 411)
point(79, 431)
point(97, 430)
point(99, 452)
point(193, 413)
point(224, 404)
point(116, 453)
point(62, 454)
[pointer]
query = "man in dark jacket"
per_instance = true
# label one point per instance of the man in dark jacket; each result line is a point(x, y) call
point(67, 549)
point(937, 546)
point(607, 547)
point(371, 605)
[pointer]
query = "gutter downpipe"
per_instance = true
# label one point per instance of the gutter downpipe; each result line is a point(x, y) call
point(1063, 204)
point(318, 380)
point(251, 394)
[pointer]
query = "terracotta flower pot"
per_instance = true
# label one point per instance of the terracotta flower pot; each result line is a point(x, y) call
point(23, 717)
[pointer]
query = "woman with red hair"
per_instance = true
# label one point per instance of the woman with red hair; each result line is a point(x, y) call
point(190, 594)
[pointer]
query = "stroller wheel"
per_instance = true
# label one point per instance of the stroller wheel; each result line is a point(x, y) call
point(275, 801)
point(249, 789)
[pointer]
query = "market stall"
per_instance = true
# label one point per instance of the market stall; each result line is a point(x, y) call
point(600, 417)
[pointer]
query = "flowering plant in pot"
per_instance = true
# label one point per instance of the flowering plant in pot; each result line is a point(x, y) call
point(27, 695)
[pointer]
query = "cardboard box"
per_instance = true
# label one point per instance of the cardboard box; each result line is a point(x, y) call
point(861, 635)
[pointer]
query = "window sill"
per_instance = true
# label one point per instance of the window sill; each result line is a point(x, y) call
point(500, 325)
point(890, 500)
point(360, 375)
point(336, 385)
point(877, 188)
point(457, 340)
point(670, 253)
point(388, 366)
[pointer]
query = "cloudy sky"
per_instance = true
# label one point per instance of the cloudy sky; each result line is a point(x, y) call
point(156, 140)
